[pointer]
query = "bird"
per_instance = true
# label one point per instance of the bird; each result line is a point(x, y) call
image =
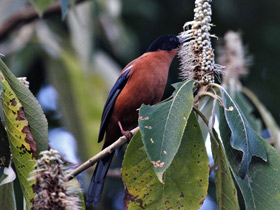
point(142, 81)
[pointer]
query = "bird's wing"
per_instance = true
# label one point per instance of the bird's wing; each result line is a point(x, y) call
point(115, 91)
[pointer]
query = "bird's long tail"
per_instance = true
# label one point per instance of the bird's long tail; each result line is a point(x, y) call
point(97, 180)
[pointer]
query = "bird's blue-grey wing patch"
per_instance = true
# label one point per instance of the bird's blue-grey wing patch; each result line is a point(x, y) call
point(115, 91)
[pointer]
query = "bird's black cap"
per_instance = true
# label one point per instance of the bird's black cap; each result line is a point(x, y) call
point(166, 42)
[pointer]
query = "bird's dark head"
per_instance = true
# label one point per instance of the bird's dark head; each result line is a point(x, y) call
point(166, 42)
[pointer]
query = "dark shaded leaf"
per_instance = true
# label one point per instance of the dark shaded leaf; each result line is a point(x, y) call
point(4, 150)
point(225, 189)
point(185, 181)
point(162, 126)
point(32, 109)
point(266, 116)
point(244, 138)
point(261, 186)
point(7, 196)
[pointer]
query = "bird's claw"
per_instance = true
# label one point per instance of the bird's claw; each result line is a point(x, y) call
point(127, 134)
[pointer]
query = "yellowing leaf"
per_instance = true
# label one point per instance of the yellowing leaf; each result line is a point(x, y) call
point(22, 144)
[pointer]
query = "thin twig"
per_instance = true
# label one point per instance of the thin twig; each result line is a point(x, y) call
point(202, 94)
point(27, 15)
point(215, 85)
point(105, 152)
point(201, 115)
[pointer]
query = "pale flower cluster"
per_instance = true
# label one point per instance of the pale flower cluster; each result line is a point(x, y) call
point(52, 189)
point(197, 56)
point(233, 55)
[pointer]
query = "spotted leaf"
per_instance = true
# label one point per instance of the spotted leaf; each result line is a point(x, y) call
point(22, 143)
point(185, 181)
point(162, 126)
point(32, 109)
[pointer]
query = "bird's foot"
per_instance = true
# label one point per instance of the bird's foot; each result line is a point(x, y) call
point(127, 134)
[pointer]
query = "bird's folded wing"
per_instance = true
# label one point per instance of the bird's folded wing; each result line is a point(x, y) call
point(115, 91)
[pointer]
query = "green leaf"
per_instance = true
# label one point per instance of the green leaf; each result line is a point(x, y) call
point(244, 138)
point(266, 116)
point(21, 141)
point(225, 189)
point(185, 181)
point(226, 192)
point(40, 5)
point(162, 126)
point(32, 109)
point(261, 186)
point(64, 7)
point(7, 196)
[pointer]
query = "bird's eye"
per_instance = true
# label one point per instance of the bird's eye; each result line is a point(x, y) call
point(172, 39)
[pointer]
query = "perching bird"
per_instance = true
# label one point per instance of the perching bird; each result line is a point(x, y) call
point(142, 81)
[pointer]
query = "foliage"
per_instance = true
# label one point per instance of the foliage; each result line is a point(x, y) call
point(243, 136)
point(32, 109)
point(7, 195)
point(225, 189)
point(165, 165)
point(260, 187)
point(189, 170)
point(22, 144)
point(163, 127)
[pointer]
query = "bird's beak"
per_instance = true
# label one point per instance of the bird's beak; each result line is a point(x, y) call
point(184, 39)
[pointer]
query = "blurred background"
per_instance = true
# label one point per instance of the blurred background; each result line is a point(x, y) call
point(71, 64)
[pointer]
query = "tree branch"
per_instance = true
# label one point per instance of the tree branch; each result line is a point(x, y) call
point(26, 16)
point(105, 152)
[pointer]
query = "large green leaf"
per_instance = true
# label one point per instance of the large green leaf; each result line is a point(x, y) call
point(244, 138)
point(22, 143)
point(162, 126)
point(184, 184)
point(7, 196)
point(261, 186)
point(40, 5)
point(32, 109)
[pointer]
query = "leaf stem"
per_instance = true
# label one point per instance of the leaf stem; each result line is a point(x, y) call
point(105, 152)
point(206, 121)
